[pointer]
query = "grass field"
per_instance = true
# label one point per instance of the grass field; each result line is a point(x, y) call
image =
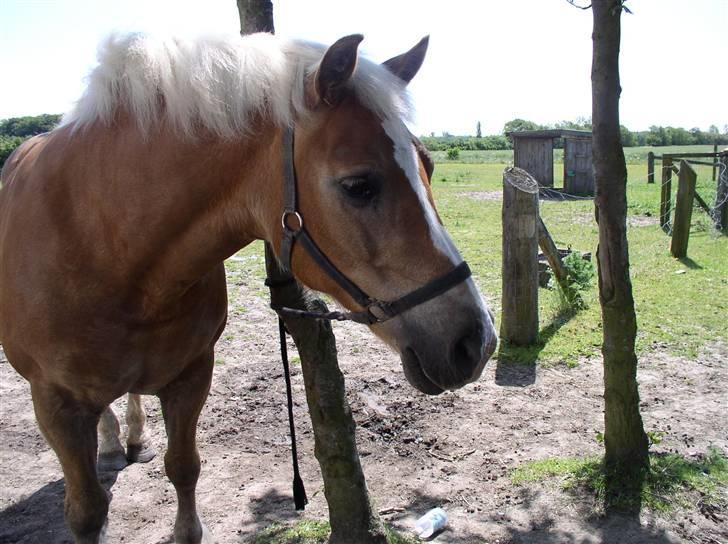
point(681, 304)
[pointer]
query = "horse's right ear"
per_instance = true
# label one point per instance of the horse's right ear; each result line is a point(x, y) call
point(335, 70)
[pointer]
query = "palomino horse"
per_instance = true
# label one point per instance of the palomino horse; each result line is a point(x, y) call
point(112, 453)
point(114, 228)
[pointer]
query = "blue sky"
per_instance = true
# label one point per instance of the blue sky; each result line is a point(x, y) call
point(489, 60)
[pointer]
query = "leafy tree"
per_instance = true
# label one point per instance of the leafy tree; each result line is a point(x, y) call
point(29, 126)
point(517, 125)
point(7, 146)
point(628, 138)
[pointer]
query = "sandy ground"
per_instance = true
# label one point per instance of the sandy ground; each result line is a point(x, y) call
point(455, 450)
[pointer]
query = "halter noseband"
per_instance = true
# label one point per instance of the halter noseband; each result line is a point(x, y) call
point(375, 311)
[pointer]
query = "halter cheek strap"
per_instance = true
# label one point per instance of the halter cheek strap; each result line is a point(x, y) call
point(375, 311)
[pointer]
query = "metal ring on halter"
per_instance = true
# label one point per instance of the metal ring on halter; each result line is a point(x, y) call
point(298, 218)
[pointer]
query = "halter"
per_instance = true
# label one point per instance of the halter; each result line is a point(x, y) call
point(375, 311)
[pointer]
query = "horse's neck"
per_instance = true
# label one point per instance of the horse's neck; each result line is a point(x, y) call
point(179, 208)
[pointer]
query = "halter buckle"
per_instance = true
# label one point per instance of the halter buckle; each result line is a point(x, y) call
point(379, 312)
point(284, 221)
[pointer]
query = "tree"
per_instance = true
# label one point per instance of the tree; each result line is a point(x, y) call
point(628, 138)
point(625, 441)
point(351, 514)
point(478, 132)
point(516, 125)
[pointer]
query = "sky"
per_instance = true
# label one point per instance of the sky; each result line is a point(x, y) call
point(489, 61)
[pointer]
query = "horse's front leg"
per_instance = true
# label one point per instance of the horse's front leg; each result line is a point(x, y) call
point(138, 447)
point(69, 426)
point(182, 401)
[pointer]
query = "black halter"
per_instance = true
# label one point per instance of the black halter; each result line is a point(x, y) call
point(375, 311)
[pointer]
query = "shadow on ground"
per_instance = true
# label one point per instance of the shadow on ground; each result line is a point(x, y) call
point(39, 517)
point(516, 365)
point(269, 509)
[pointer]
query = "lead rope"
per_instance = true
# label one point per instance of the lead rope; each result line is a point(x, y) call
point(299, 492)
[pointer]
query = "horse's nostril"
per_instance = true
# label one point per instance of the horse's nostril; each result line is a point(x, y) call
point(467, 352)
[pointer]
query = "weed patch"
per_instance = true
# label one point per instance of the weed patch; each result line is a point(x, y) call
point(672, 481)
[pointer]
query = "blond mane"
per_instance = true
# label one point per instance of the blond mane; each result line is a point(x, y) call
point(218, 83)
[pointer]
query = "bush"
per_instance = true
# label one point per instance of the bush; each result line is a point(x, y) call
point(581, 272)
point(453, 154)
point(7, 146)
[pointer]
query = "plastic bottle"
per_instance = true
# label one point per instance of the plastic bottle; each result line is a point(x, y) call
point(430, 523)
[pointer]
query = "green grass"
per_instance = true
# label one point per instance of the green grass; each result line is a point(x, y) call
point(672, 481)
point(313, 532)
point(680, 304)
point(303, 532)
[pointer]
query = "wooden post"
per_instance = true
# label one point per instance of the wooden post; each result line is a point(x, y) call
point(715, 160)
point(519, 320)
point(665, 193)
point(683, 210)
point(650, 167)
point(720, 210)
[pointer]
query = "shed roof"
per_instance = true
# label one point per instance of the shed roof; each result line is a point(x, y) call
point(550, 133)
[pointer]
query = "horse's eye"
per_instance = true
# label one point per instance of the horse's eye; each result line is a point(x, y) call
point(359, 190)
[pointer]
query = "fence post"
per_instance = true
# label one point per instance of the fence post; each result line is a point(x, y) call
point(683, 210)
point(650, 167)
point(715, 159)
point(665, 193)
point(519, 319)
point(720, 210)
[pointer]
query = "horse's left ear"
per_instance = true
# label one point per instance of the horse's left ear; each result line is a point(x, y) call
point(406, 66)
point(336, 68)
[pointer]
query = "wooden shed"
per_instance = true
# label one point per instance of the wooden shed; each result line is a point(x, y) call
point(533, 150)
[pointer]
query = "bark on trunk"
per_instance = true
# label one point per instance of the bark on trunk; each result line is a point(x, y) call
point(255, 16)
point(625, 440)
point(351, 514)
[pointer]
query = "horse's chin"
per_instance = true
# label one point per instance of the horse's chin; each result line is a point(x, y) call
point(415, 374)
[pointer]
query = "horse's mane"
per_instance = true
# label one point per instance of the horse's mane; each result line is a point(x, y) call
point(217, 83)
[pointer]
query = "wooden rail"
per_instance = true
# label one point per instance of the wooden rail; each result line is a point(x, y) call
point(715, 155)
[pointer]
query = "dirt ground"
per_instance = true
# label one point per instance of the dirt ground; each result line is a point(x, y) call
point(455, 450)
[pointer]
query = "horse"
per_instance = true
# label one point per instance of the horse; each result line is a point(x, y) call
point(112, 455)
point(114, 228)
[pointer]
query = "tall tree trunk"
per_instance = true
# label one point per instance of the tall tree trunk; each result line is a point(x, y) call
point(351, 514)
point(625, 440)
point(255, 16)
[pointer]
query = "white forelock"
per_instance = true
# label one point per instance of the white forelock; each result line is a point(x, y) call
point(218, 83)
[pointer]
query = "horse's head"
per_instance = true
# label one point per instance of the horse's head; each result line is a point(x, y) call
point(364, 194)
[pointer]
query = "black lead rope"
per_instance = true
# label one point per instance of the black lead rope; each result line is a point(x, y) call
point(299, 492)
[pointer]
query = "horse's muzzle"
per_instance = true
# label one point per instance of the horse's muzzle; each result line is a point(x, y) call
point(432, 369)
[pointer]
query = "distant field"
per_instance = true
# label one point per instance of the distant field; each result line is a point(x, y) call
point(633, 155)
point(680, 303)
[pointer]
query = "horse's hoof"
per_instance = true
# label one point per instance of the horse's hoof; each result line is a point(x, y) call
point(111, 462)
point(140, 453)
point(207, 537)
